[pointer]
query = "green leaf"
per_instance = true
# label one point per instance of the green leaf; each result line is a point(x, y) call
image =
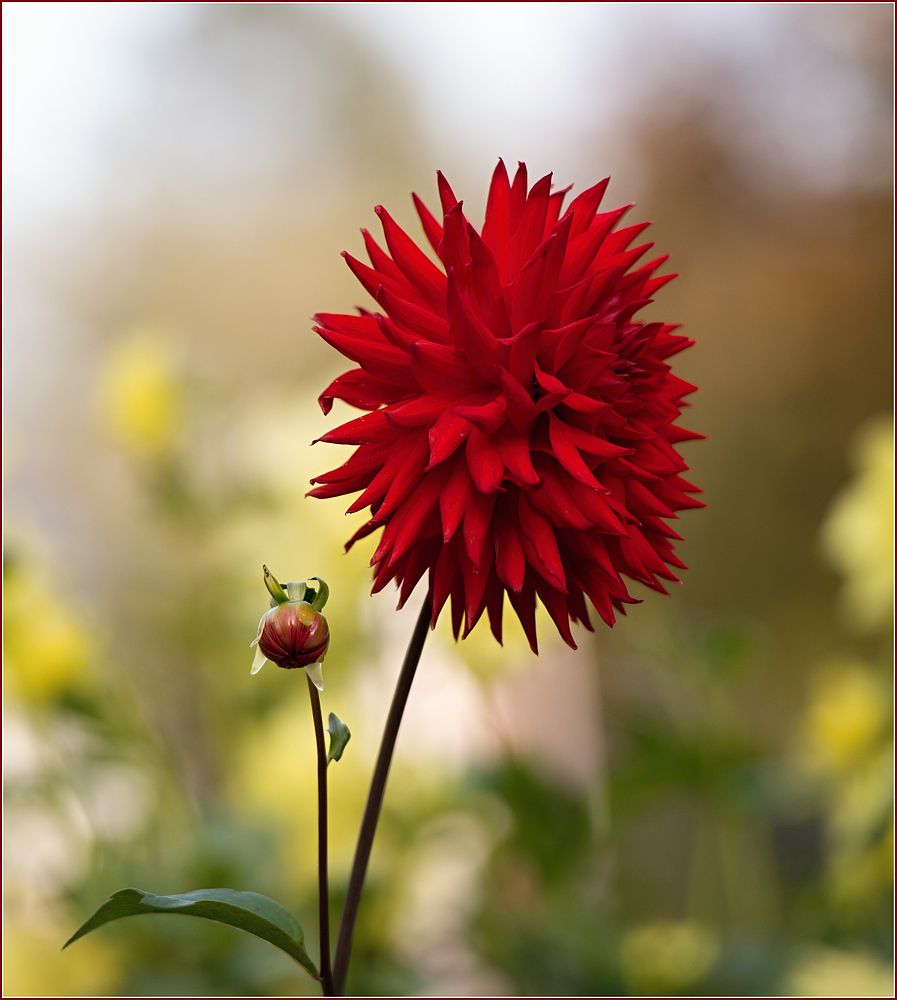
point(249, 911)
point(339, 737)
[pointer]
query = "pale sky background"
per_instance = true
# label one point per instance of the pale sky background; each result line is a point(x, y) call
point(489, 78)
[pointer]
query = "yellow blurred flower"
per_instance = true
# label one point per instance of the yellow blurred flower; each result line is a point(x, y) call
point(46, 647)
point(667, 956)
point(845, 717)
point(858, 534)
point(140, 394)
point(828, 972)
point(34, 965)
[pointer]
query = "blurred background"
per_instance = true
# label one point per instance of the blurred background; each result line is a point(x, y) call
point(697, 802)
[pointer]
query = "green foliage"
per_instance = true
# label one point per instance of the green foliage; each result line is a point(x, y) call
point(247, 911)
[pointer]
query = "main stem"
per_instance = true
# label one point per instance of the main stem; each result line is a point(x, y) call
point(375, 800)
point(323, 889)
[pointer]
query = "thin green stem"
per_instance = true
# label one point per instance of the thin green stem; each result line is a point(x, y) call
point(323, 888)
point(375, 801)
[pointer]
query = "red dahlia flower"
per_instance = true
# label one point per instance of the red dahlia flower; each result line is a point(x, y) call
point(521, 430)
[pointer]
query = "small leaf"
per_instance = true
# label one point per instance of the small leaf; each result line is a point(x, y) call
point(339, 737)
point(248, 911)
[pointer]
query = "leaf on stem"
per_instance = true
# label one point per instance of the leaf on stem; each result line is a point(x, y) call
point(339, 737)
point(249, 911)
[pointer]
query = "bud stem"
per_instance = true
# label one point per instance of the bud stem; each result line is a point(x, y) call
point(323, 887)
point(375, 801)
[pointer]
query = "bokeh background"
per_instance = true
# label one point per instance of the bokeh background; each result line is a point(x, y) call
point(697, 802)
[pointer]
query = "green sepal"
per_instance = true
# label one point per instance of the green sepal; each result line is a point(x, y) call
point(296, 591)
point(249, 911)
point(274, 588)
point(339, 737)
point(320, 598)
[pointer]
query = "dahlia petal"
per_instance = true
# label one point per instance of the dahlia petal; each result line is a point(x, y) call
point(675, 434)
point(583, 208)
point(524, 604)
point(585, 367)
point(475, 582)
point(446, 195)
point(567, 453)
point(555, 204)
point(514, 449)
point(595, 507)
point(485, 287)
point(412, 261)
point(487, 417)
point(583, 248)
point(370, 428)
point(655, 284)
point(557, 346)
point(519, 403)
point(477, 520)
point(496, 223)
point(442, 371)
point(454, 500)
point(477, 341)
point(557, 503)
point(586, 442)
point(446, 436)
point(376, 489)
point(416, 412)
point(362, 327)
point(413, 317)
point(360, 390)
point(495, 600)
point(380, 259)
point(395, 334)
point(457, 606)
point(363, 532)
point(530, 231)
point(484, 461)
point(420, 558)
point(517, 199)
point(431, 227)
point(577, 609)
point(538, 278)
point(381, 360)
point(417, 510)
point(510, 559)
point(414, 453)
point(540, 543)
point(453, 248)
point(442, 578)
point(589, 546)
point(366, 459)
point(556, 604)
point(619, 240)
point(340, 489)
point(643, 501)
point(387, 540)
point(371, 280)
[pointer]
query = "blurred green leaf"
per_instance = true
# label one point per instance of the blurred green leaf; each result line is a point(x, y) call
point(248, 911)
point(339, 737)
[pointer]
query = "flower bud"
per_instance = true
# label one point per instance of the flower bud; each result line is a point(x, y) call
point(293, 633)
